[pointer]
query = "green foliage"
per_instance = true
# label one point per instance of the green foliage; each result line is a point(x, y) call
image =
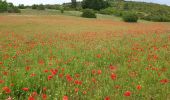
point(3, 6)
point(8, 7)
point(88, 13)
point(130, 17)
point(38, 7)
point(146, 11)
point(107, 11)
point(62, 9)
point(21, 6)
point(157, 18)
point(56, 6)
point(34, 6)
point(111, 11)
point(13, 10)
point(41, 7)
point(94, 4)
point(74, 3)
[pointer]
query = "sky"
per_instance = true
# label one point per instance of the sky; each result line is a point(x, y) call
point(30, 2)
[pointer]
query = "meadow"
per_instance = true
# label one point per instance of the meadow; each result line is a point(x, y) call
point(61, 57)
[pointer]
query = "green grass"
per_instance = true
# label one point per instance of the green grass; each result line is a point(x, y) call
point(79, 54)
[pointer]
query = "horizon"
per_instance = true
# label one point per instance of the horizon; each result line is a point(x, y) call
point(31, 2)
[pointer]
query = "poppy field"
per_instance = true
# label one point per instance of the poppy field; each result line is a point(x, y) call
point(70, 58)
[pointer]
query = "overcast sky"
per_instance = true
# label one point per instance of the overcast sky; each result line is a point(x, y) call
point(30, 2)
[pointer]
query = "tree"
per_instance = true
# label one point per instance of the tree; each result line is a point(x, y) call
point(74, 3)
point(3, 6)
point(95, 4)
point(21, 6)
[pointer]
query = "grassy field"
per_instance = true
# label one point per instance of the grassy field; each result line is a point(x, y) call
point(49, 56)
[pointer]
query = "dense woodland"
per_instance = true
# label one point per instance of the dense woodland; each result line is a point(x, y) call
point(146, 11)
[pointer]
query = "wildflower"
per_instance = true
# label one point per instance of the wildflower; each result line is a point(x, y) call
point(65, 98)
point(113, 76)
point(99, 72)
point(46, 70)
point(31, 98)
point(99, 55)
point(44, 88)
point(1, 81)
point(27, 68)
point(139, 87)
point(25, 89)
point(69, 78)
point(50, 77)
point(112, 68)
point(44, 96)
point(6, 90)
point(127, 93)
point(164, 81)
point(107, 98)
point(84, 92)
point(76, 89)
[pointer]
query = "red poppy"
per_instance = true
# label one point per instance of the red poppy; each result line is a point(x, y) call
point(93, 71)
point(99, 72)
point(60, 75)
point(84, 92)
point(99, 55)
point(69, 78)
point(44, 96)
point(32, 75)
point(46, 70)
point(107, 98)
point(27, 68)
point(65, 98)
point(25, 89)
point(50, 77)
point(112, 68)
point(6, 90)
point(1, 63)
point(31, 98)
point(139, 87)
point(127, 93)
point(113, 76)
point(44, 88)
point(34, 94)
point(164, 81)
point(1, 81)
point(76, 89)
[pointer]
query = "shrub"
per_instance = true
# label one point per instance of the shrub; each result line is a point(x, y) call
point(41, 7)
point(88, 13)
point(107, 11)
point(62, 9)
point(21, 6)
point(34, 6)
point(3, 6)
point(157, 18)
point(95, 4)
point(130, 17)
point(13, 10)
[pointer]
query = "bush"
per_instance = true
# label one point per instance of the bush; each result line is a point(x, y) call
point(88, 13)
point(157, 18)
point(3, 6)
point(34, 6)
point(21, 6)
point(130, 17)
point(111, 11)
point(95, 4)
point(41, 7)
point(13, 10)
point(62, 9)
point(107, 11)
